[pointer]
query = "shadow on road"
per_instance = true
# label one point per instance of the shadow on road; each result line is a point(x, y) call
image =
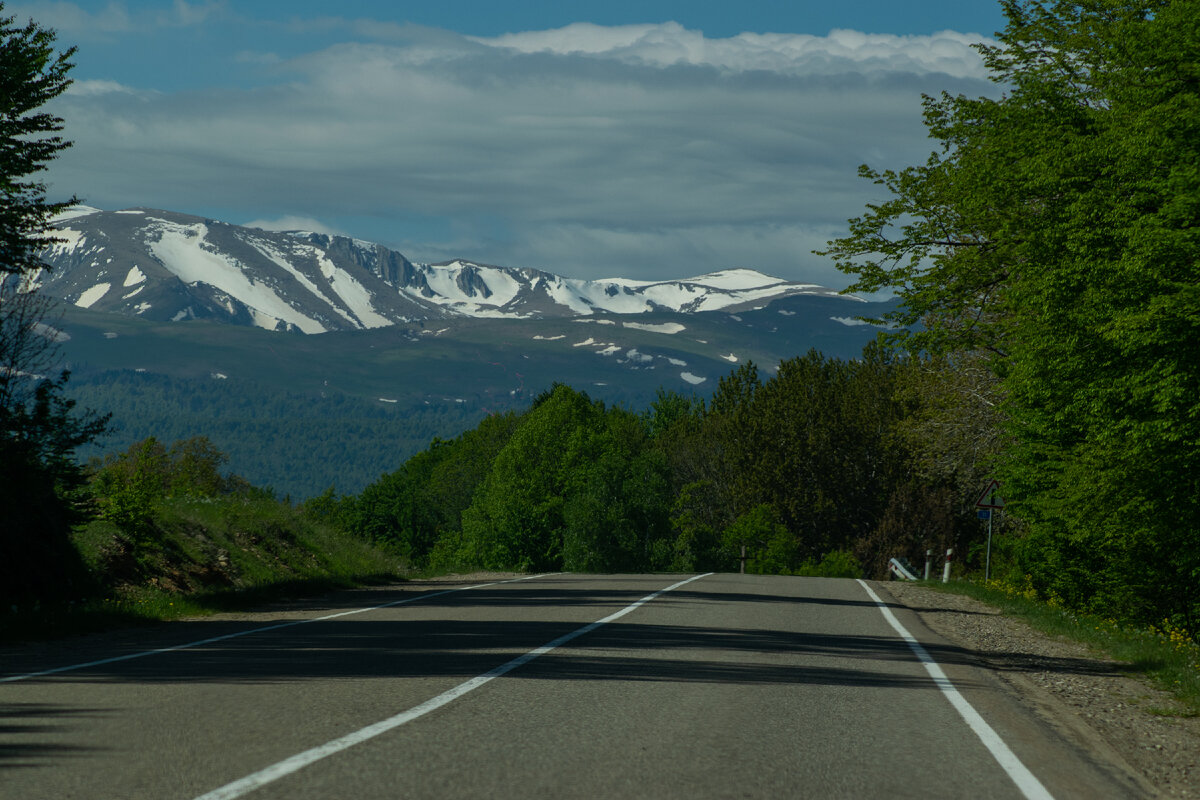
point(463, 634)
point(27, 731)
point(443, 640)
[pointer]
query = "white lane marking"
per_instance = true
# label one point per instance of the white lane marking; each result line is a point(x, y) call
point(1025, 780)
point(297, 762)
point(173, 648)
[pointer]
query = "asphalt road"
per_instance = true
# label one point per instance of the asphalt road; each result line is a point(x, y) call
point(725, 686)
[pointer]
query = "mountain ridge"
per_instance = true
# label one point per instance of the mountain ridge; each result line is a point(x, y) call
point(168, 266)
point(406, 352)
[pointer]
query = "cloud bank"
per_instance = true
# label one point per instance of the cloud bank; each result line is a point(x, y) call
point(639, 151)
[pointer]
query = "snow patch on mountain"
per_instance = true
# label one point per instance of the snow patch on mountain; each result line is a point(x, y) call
point(73, 212)
point(50, 332)
point(180, 248)
point(93, 295)
point(666, 327)
point(69, 242)
point(640, 358)
point(353, 293)
point(278, 258)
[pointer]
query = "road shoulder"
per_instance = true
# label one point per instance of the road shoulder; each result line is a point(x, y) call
point(1087, 698)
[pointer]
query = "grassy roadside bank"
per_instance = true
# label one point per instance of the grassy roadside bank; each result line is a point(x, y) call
point(200, 556)
point(1165, 656)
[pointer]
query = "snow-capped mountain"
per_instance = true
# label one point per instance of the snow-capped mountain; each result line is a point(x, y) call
point(165, 266)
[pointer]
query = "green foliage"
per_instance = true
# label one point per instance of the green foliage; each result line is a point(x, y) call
point(770, 548)
point(210, 554)
point(696, 522)
point(834, 564)
point(615, 488)
point(515, 520)
point(1058, 230)
point(796, 467)
point(31, 75)
point(423, 501)
point(39, 429)
point(573, 485)
point(816, 444)
point(128, 487)
point(195, 468)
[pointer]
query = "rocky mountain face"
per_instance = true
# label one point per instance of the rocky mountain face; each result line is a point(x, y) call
point(165, 266)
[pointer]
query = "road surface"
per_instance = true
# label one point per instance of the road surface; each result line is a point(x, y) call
point(563, 686)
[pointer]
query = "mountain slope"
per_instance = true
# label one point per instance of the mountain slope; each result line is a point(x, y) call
point(166, 266)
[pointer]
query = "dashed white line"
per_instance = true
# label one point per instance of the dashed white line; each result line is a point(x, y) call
point(297, 762)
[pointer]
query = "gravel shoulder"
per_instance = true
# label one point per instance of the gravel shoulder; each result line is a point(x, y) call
point(1090, 699)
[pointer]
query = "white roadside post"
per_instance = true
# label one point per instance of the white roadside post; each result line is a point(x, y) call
point(928, 562)
point(946, 569)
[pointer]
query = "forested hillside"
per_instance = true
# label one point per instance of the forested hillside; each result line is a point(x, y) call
point(809, 471)
point(297, 443)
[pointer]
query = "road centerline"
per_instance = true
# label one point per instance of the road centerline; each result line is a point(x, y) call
point(244, 786)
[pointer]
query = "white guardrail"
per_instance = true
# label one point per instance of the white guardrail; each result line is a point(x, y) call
point(901, 569)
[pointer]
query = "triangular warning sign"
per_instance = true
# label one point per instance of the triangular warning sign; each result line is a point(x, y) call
point(991, 497)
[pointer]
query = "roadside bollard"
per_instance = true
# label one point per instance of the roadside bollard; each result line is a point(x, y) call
point(946, 571)
point(928, 562)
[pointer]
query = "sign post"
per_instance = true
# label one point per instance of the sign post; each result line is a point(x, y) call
point(990, 502)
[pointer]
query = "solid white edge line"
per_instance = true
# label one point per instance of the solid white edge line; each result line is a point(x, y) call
point(1025, 780)
point(173, 648)
point(297, 762)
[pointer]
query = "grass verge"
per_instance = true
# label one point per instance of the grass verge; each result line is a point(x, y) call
point(1166, 656)
point(203, 556)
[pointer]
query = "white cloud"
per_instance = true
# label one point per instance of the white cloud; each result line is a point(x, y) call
point(91, 88)
point(75, 21)
point(670, 44)
point(294, 223)
point(640, 150)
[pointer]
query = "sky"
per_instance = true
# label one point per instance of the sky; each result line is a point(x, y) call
point(651, 139)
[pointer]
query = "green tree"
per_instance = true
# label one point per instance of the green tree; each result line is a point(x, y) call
point(31, 74)
point(814, 443)
point(616, 493)
point(128, 486)
point(39, 429)
point(515, 520)
point(1057, 230)
point(578, 486)
point(766, 545)
point(421, 504)
point(195, 468)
